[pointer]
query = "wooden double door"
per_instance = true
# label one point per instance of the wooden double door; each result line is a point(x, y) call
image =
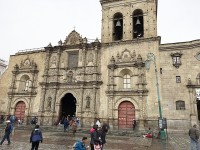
point(126, 114)
point(20, 110)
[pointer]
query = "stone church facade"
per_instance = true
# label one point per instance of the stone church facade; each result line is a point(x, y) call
point(107, 78)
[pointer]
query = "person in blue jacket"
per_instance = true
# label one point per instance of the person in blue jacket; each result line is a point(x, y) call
point(80, 145)
point(8, 130)
point(36, 138)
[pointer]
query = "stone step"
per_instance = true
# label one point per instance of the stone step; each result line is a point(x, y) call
point(59, 128)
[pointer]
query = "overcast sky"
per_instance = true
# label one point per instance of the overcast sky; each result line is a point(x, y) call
point(28, 24)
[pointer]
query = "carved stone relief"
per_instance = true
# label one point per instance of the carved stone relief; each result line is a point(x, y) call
point(53, 72)
point(27, 63)
point(90, 70)
point(126, 56)
point(53, 79)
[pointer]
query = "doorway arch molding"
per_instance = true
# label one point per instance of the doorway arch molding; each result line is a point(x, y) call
point(73, 92)
point(59, 99)
point(14, 103)
point(133, 101)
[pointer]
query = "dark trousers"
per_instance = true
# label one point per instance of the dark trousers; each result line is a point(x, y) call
point(6, 136)
point(92, 146)
point(35, 145)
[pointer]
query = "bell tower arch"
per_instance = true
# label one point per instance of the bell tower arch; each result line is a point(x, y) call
point(128, 19)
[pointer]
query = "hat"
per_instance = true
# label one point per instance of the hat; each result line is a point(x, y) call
point(8, 121)
point(84, 138)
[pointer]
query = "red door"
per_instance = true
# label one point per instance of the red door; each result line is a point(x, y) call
point(20, 110)
point(126, 114)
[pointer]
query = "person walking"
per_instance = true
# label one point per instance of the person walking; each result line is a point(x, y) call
point(134, 124)
point(36, 138)
point(95, 141)
point(8, 130)
point(194, 137)
point(65, 124)
point(102, 132)
point(74, 127)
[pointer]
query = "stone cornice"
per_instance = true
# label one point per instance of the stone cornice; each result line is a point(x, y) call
point(118, 1)
point(128, 92)
point(134, 41)
point(180, 46)
point(193, 86)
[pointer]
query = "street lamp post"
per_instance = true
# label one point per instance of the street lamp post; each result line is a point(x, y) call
point(151, 57)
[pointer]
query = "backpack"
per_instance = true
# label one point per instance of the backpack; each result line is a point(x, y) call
point(74, 146)
point(11, 128)
point(36, 136)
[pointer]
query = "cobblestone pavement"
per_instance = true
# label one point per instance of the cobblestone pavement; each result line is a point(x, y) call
point(179, 141)
point(64, 141)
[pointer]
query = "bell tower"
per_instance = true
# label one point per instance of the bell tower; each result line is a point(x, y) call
point(128, 20)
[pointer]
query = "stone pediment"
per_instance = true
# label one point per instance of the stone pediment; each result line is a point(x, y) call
point(126, 56)
point(73, 38)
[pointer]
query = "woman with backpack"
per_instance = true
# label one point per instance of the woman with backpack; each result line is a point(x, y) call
point(36, 138)
point(95, 142)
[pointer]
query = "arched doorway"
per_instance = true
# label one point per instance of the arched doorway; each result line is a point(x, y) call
point(20, 110)
point(68, 106)
point(126, 114)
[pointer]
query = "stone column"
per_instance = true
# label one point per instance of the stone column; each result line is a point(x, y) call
point(42, 99)
point(80, 103)
point(57, 80)
point(45, 76)
point(54, 99)
point(194, 115)
point(111, 111)
point(12, 88)
point(95, 101)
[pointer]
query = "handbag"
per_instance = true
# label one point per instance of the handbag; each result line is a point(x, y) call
point(97, 147)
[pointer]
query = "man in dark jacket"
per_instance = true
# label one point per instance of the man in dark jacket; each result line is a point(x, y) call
point(194, 137)
point(8, 130)
point(102, 132)
point(36, 138)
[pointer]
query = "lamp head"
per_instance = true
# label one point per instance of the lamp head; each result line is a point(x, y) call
point(147, 64)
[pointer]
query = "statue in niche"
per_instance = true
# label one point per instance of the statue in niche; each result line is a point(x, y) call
point(53, 62)
point(49, 103)
point(90, 60)
point(87, 102)
point(70, 76)
point(62, 64)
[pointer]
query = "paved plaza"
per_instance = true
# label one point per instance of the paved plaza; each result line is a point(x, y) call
point(58, 140)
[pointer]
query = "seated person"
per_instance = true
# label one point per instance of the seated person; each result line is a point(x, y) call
point(149, 134)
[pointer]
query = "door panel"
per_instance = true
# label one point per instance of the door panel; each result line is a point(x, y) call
point(126, 114)
point(20, 110)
